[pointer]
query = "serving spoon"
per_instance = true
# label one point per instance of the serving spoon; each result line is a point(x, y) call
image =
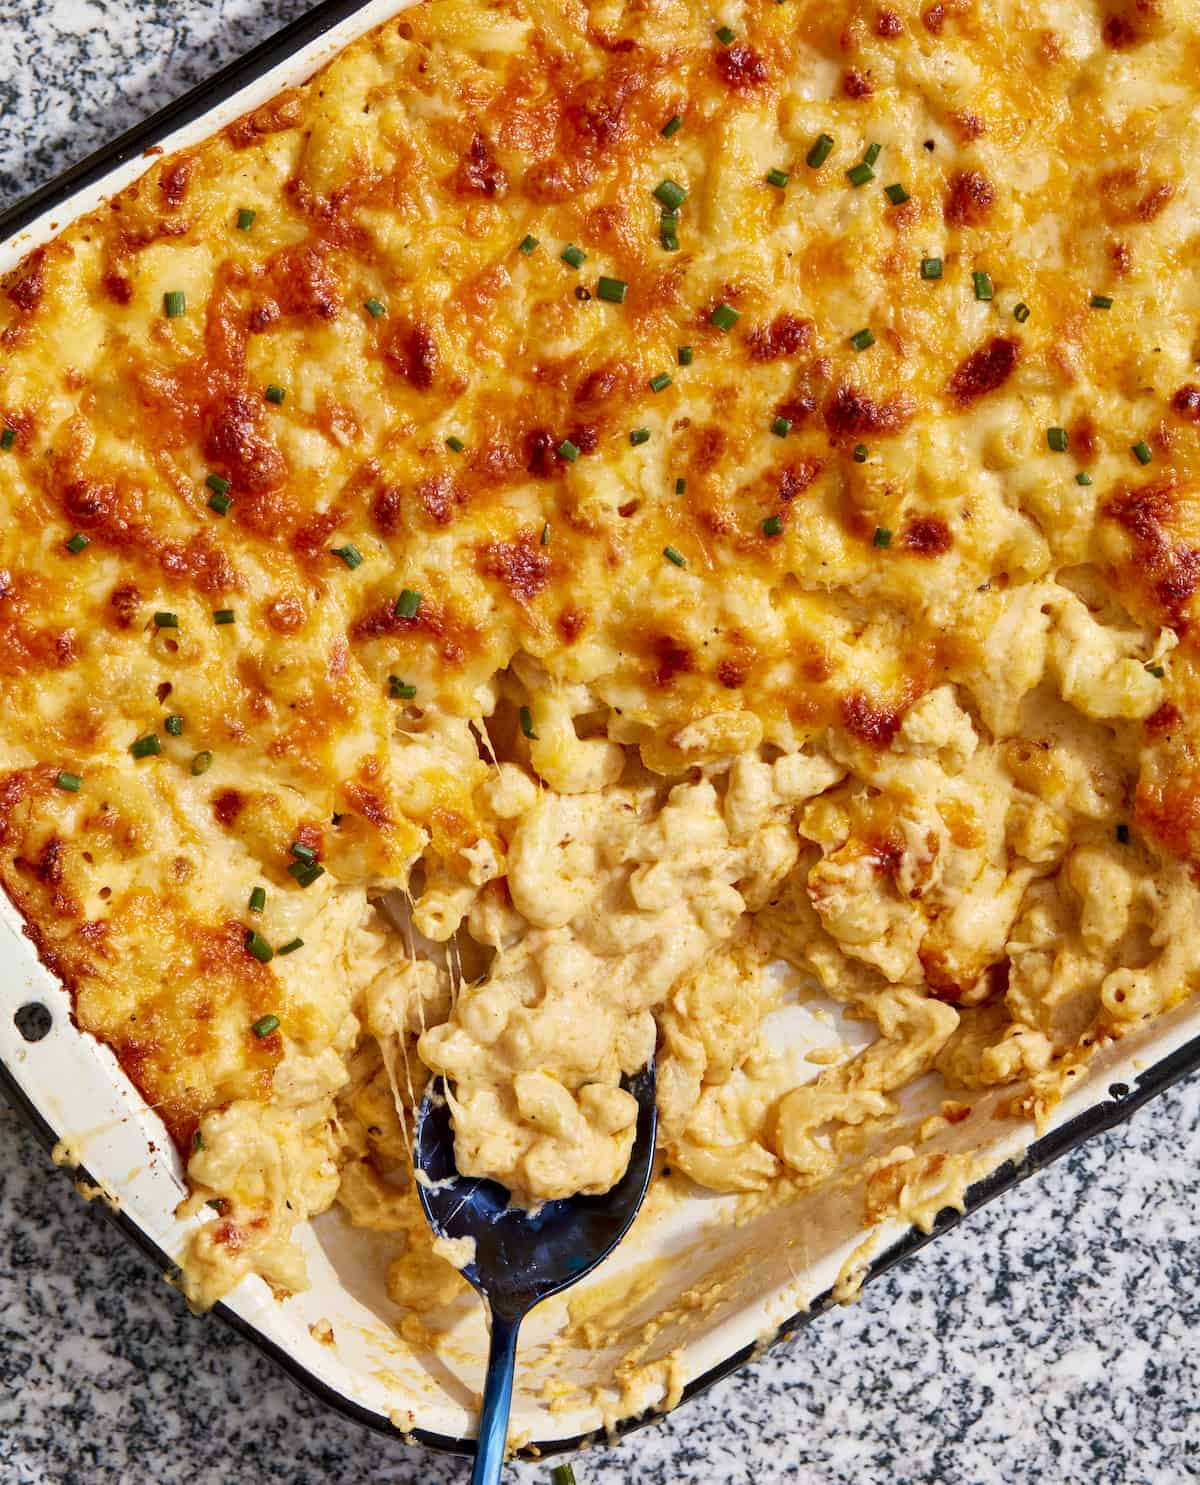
point(521, 1257)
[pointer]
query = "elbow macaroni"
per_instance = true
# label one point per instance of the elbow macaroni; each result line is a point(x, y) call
point(565, 693)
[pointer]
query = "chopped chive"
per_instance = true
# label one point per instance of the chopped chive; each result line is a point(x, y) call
point(374, 308)
point(302, 852)
point(573, 255)
point(220, 503)
point(215, 482)
point(778, 179)
point(1101, 301)
point(258, 899)
point(527, 245)
point(724, 35)
point(408, 603)
point(669, 241)
point(670, 193)
point(685, 355)
point(1058, 439)
point(660, 383)
point(245, 219)
point(725, 317)
point(1021, 313)
point(568, 451)
point(166, 621)
point(820, 151)
point(882, 537)
point(772, 526)
point(8, 438)
point(197, 1141)
point(896, 194)
point(202, 762)
point(77, 544)
point(1123, 834)
point(780, 426)
point(1083, 478)
point(860, 174)
point(681, 486)
point(526, 717)
point(1157, 671)
point(174, 725)
point(291, 946)
point(639, 435)
point(545, 537)
point(174, 304)
point(401, 690)
point(455, 444)
point(611, 290)
point(146, 747)
point(931, 268)
point(859, 453)
point(983, 286)
point(223, 616)
point(672, 555)
point(563, 1474)
point(1141, 452)
point(349, 554)
point(672, 126)
point(71, 782)
point(275, 394)
point(265, 1025)
point(306, 872)
point(872, 154)
point(862, 340)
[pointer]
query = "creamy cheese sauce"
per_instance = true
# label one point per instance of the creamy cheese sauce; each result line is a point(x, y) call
point(806, 572)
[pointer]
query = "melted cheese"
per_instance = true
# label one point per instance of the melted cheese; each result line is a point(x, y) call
point(844, 658)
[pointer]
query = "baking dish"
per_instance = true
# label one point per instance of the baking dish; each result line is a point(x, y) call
point(722, 1287)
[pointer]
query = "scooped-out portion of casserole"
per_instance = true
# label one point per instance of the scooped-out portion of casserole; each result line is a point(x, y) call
point(579, 503)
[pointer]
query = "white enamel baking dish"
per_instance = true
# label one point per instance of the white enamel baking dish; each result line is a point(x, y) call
point(747, 1282)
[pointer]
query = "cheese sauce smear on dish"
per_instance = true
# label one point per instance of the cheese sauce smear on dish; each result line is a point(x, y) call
point(577, 503)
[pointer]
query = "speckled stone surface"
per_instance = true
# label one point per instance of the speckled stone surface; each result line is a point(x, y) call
point(1053, 1337)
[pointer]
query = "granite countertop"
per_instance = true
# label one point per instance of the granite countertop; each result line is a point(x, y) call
point(1053, 1337)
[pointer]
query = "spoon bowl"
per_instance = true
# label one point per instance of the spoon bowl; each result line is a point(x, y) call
point(522, 1257)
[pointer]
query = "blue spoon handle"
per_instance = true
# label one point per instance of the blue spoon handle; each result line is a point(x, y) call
point(497, 1402)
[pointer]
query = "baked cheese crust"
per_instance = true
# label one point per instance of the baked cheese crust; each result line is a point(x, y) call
point(661, 488)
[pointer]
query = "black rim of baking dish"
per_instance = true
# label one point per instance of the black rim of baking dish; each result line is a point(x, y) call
point(1121, 1103)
